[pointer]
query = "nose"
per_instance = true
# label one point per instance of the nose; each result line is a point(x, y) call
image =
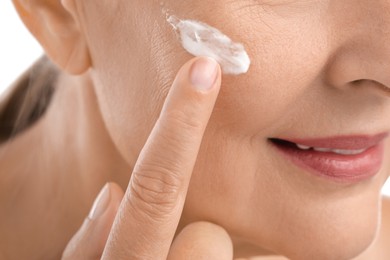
point(361, 56)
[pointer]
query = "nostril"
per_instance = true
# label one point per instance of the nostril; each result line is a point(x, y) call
point(372, 83)
point(385, 89)
point(358, 82)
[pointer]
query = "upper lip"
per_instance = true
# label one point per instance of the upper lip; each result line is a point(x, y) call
point(352, 142)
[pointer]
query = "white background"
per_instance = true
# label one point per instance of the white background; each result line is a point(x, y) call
point(18, 49)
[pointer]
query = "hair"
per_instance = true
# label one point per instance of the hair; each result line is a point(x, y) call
point(27, 98)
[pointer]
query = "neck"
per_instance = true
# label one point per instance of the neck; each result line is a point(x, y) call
point(53, 171)
point(74, 123)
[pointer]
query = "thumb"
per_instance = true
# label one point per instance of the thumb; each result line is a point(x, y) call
point(90, 239)
point(202, 240)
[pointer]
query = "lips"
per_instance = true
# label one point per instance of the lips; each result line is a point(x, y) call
point(342, 158)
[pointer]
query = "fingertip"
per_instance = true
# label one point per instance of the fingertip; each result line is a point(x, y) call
point(116, 190)
point(204, 73)
point(111, 194)
point(116, 195)
point(101, 203)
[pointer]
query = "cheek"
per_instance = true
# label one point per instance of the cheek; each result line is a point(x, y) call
point(128, 70)
point(283, 71)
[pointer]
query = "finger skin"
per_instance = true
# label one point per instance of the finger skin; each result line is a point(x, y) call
point(202, 240)
point(89, 241)
point(153, 203)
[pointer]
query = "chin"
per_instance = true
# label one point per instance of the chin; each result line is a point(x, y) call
point(343, 252)
point(329, 237)
point(331, 246)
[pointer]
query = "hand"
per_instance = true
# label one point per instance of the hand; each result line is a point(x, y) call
point(141, 223)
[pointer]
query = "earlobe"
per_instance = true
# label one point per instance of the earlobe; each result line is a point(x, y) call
point(56, 26)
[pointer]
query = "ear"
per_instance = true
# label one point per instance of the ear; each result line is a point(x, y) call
point(56, 25)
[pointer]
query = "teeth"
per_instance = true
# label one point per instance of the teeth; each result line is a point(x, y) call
point(303, 147)
point(322, 149)
point(327, 150)
point(348, 152)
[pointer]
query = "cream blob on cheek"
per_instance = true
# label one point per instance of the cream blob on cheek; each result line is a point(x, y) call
point(200, 39)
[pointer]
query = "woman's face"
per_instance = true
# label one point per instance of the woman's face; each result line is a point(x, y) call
point(317, 72)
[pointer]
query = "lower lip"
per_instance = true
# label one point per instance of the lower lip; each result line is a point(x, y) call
point(339, 168)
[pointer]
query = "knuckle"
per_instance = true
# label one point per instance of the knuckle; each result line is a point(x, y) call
point(155, 189)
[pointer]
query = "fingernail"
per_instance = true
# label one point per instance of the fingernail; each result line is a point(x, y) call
point(101, 203)
point(203, 73)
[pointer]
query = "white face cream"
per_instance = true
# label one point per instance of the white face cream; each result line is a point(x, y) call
point(200, 39)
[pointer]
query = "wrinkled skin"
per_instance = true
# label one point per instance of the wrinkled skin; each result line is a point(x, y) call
point(307, 56)
point(317, 68)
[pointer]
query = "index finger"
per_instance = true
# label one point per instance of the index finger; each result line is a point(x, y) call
point(153, 203)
